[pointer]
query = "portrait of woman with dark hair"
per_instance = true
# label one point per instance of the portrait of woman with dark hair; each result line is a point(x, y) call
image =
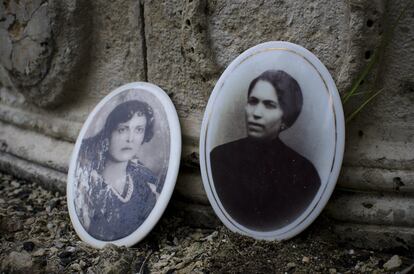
point(115, 191)
point(262, 183)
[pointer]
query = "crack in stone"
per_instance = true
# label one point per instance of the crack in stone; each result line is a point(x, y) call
point(43, 3)
point(144, 41)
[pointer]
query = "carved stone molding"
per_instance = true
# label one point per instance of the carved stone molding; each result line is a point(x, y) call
point(45, 46)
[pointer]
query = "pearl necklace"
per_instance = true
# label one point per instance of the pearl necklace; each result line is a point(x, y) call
point(130, 186)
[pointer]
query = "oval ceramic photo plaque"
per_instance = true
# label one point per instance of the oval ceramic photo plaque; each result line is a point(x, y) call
point(124, 166)
point(272, 141)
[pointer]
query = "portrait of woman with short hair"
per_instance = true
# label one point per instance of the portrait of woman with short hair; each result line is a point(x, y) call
point(262, 183)
point(116, 191)
point(124, 166)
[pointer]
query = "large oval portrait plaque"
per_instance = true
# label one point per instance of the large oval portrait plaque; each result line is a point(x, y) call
point(272, 141)
point(124, 166)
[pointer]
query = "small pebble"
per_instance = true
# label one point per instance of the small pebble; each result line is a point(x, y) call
point(211, 236)
point(76, 267)
point(59, 244)
point(196, 236)
point(305, 260)
point(393, 263)
point(38, 253)
point(71, 249)
point(82, 263)
point(291, 265)
point(53, 250)
point(17, 191)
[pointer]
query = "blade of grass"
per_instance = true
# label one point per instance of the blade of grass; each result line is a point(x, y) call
point(389, 33)
point(375, 57)
point(361, 77)
point(360, 93)
point(354, 113)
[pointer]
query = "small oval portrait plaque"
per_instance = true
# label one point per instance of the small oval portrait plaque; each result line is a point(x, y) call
point(272, 141)
point(124, 166)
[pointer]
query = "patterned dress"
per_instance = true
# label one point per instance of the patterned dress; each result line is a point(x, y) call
point(107, 215)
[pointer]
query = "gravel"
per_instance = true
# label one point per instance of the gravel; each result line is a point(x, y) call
point(37, 236)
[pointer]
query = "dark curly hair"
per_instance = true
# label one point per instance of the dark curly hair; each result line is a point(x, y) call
point(94, 150)
point(124, 112)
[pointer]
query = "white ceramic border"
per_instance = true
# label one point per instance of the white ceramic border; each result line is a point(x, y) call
point(170, 179)
point(326, 189)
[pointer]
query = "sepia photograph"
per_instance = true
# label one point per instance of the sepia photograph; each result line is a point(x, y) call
point(271, 142)
point(121, 165)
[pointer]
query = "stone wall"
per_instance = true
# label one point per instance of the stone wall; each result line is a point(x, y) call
point(59, 58)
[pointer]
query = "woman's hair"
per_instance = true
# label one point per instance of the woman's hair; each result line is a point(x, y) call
point(288, 93)
point(124, 112)
point(94, 150)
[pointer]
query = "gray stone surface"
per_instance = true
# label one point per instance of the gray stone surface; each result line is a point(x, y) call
point(36, 148)
point(190, 43)
point(5, 49)
point(84, 71)
point(377, 179)
point(388, 209)
point(47, 47)
point(393, 263)
point(18, 262)
point(47, 177)
point(59, 58)
point(375, 236)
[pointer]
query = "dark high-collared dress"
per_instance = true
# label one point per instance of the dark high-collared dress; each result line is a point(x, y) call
point(263, 185)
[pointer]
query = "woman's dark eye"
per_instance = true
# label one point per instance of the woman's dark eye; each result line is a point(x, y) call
point(121, 130)
point(140, 130)
point(252, 101)
point(271, 105)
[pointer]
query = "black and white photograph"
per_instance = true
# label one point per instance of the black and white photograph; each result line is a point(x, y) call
point(121, 164)
point(272, 141)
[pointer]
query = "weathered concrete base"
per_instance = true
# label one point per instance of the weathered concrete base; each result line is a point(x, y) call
point(48, 178)
point(382, 208)
point(378, 220)
point(375, 236)
point(194, 215)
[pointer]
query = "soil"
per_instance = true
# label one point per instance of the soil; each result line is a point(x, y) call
point(37, 236)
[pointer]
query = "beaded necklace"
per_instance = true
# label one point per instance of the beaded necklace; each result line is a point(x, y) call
point(130, 189)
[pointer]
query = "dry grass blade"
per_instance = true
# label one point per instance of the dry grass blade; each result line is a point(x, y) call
point(361, 77)
point(354, 113)
point(368, 68)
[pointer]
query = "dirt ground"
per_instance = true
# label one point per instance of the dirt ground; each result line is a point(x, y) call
point(37, 236)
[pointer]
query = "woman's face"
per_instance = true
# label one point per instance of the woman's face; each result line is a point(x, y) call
point(127, 138)
point(263, 112)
